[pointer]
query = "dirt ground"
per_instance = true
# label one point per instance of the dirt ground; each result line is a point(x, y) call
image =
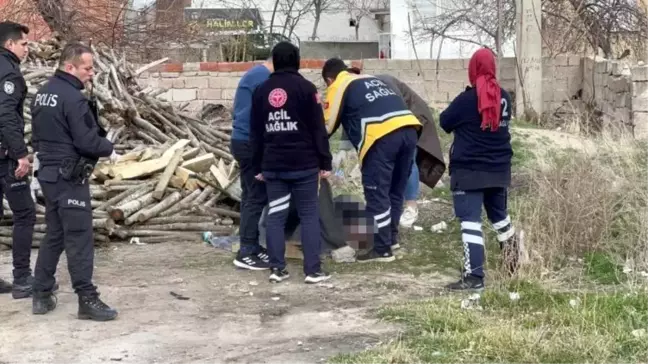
point(231, 315)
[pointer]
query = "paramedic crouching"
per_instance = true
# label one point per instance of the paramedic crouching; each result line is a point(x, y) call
point(290, 153)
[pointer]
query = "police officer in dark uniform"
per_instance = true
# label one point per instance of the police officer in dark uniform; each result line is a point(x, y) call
point(69, 142)
point(14, 164)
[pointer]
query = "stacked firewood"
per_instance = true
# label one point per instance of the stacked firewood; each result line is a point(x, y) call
point(175, 176)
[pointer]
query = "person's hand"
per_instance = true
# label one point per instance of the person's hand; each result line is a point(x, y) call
point(259, 177)
point(114, 157)
point(325, 174)
point(23, 167)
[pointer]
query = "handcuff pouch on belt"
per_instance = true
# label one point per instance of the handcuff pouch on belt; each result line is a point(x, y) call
point(76, 170)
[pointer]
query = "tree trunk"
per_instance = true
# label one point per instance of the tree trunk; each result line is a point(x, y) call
point(288, 17)
point(272, 19)
point(55, 17)
point(318, 14)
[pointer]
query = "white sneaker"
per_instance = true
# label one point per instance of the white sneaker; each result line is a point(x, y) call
point(409, 217)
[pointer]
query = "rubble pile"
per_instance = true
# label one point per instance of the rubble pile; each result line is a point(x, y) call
point(175, 176)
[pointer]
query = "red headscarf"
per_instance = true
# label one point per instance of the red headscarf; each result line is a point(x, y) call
point(481, 73)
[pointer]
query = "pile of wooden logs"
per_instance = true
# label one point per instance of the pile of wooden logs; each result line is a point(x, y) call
point(175, 176)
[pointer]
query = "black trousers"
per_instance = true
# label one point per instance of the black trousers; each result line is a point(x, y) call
point(24, 217)
point(385, 171)
point(253, 198)
point(69, 227)
point(303, 192)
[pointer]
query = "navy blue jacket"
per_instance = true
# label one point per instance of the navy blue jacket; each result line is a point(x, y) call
point(13, 91)
point(287, 131)
point(478, 158)
point(63, 125)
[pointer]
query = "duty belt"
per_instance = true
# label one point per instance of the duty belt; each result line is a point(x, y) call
point(76, 170)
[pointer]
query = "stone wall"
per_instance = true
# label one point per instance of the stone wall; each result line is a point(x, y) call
point(566, 80)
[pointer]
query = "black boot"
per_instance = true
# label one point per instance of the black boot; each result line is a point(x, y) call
point(92, 308)
point(43, 302)
point(5, 287)
point(22, 287)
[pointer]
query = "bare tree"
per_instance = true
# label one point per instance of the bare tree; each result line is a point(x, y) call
point(319, 7)
point(568, 25)
point(293, 11)
point(359, 9)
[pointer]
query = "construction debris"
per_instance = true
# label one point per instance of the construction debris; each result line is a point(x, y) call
point(175, 176)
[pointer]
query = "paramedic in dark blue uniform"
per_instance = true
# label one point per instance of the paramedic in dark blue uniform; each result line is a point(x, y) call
point(480, 166)
point(69, 142)
point(290, 153)
point(384, 132)
point(14, 164)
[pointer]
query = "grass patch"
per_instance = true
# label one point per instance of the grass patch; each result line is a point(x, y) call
point(541, 327)
point(590, 205)
point(426, 251)
point(601, 268)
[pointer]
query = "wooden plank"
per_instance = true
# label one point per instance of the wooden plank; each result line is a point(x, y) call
point(183, 174)
point(176, 182)
point(158, 193)
point(133, 170)
point(201, 163)
point(293, 251)
point(191, 153)
point(221, 177)
point(192, 184)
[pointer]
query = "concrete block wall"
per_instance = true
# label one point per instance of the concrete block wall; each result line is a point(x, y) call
point(605, 83)
point(197, 84)
point(439, 81)
point(621, 97)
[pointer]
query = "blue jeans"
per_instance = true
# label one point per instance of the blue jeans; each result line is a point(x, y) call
point(413, 187)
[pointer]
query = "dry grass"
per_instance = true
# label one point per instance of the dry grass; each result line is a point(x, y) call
point(583, 208)
point(580, 204)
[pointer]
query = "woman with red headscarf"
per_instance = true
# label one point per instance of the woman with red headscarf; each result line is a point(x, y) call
point(480, 166)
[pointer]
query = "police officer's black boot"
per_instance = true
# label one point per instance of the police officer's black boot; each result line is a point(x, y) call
point(43, 302)
point(92, 308)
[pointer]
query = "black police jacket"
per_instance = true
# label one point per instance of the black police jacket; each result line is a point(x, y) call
point(287, 130)
point(63, 126)
point(13, 91)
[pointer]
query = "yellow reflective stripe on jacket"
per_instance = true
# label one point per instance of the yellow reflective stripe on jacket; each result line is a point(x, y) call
point(334, 96)
point(376, 130)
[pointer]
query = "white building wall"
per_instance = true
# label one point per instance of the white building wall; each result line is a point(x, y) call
point(333, 26)
point(402, 46)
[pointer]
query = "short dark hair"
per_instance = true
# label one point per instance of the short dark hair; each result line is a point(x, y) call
point(72, 53)
point(333, 67)
point(11, 31)
point(285, 55)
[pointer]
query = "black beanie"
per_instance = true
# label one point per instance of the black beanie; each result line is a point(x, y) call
point(285, 56)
